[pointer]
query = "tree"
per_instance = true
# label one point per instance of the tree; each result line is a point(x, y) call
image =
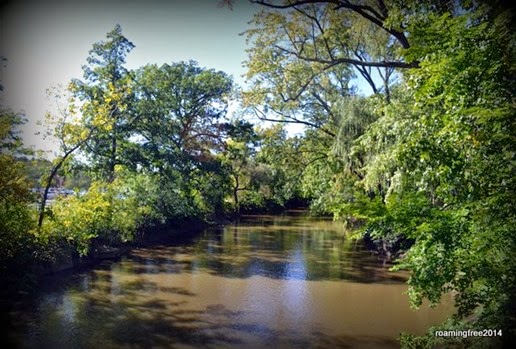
point(180, 119)
point(303, 53)
point(444, 150)
point(16, 218)
point(290, 89)
point(284, 161)
point(238, 159)
point(105, 95)
point(71, 134)
point(302, 60)
point(182, 107)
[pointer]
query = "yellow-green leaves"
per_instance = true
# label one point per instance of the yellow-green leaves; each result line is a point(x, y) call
point(16, 218)
point(105, 97)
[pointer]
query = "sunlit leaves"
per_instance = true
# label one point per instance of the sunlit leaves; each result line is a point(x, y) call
point(444, 148)
point(105, 97)
point(16, 218)
point(284, 83)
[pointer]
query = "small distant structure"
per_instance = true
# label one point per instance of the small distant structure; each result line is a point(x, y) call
point(59, 181)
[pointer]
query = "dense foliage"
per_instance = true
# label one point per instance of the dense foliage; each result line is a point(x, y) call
point(140, 148)
point(15, 215)
point(427, 162)
point(423, 167)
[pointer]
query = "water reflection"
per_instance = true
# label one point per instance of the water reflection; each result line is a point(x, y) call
point(274, 247)
point(268, 281)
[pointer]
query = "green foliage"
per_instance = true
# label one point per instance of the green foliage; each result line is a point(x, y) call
point(105, 97)
point(180, 123)
point(109, 212)
point(441, 157)
point(429, 163)
point(78, 220)
point(180, 111)
point(151, 138)
point(151, 150)
point(35, 169)
point(278, 157)
point(433, 162)
point(16, 217)
point(286, 86)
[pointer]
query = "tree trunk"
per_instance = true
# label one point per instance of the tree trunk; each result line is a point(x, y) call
point(235, 197)
point(50, 178)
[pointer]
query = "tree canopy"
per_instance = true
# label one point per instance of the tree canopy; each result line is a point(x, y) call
point(423, 167)
point(427, 161)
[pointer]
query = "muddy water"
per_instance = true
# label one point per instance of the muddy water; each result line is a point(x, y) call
point(277, 282)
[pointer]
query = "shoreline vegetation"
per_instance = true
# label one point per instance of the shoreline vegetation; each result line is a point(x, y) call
point(422, 169)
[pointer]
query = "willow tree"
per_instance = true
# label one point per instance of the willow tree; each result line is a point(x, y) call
point(303, 59)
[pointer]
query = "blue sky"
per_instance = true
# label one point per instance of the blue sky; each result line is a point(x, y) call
point(46, 42)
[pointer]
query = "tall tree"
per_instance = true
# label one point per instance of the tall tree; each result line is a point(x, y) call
point(305, 52)
point(15, 196)
point(180, 117)
point(105, 94)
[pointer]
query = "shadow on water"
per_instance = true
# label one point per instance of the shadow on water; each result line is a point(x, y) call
point(102, 319)
point(266, 282)
point(273, 247)
point(104, 309)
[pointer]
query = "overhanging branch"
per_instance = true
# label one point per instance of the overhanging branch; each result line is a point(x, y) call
point(363, 10)
point(291, 120)
point(332, 62)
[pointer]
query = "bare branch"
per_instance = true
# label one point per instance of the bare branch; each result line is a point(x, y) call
point(321, 30)
point(365, 11)
point(290, 120)
point(332, 62)
point(292, 4)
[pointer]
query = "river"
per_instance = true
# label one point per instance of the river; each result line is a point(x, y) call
point(269, 281)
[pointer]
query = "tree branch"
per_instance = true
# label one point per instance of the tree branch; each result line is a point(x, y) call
point(52, 174)
point(336, 61)
point(290, 120)
point(365, 11)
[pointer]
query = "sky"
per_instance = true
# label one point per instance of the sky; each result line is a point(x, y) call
point(47, 41)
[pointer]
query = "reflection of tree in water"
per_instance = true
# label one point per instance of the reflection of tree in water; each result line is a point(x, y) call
point(274, 247)
point(87, 313)
point(157, 296)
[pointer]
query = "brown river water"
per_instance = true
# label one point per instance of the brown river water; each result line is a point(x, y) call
point(267, 282)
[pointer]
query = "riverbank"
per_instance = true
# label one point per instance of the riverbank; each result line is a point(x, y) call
point(23, 274)
point(266, 281)
point(24, 278)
